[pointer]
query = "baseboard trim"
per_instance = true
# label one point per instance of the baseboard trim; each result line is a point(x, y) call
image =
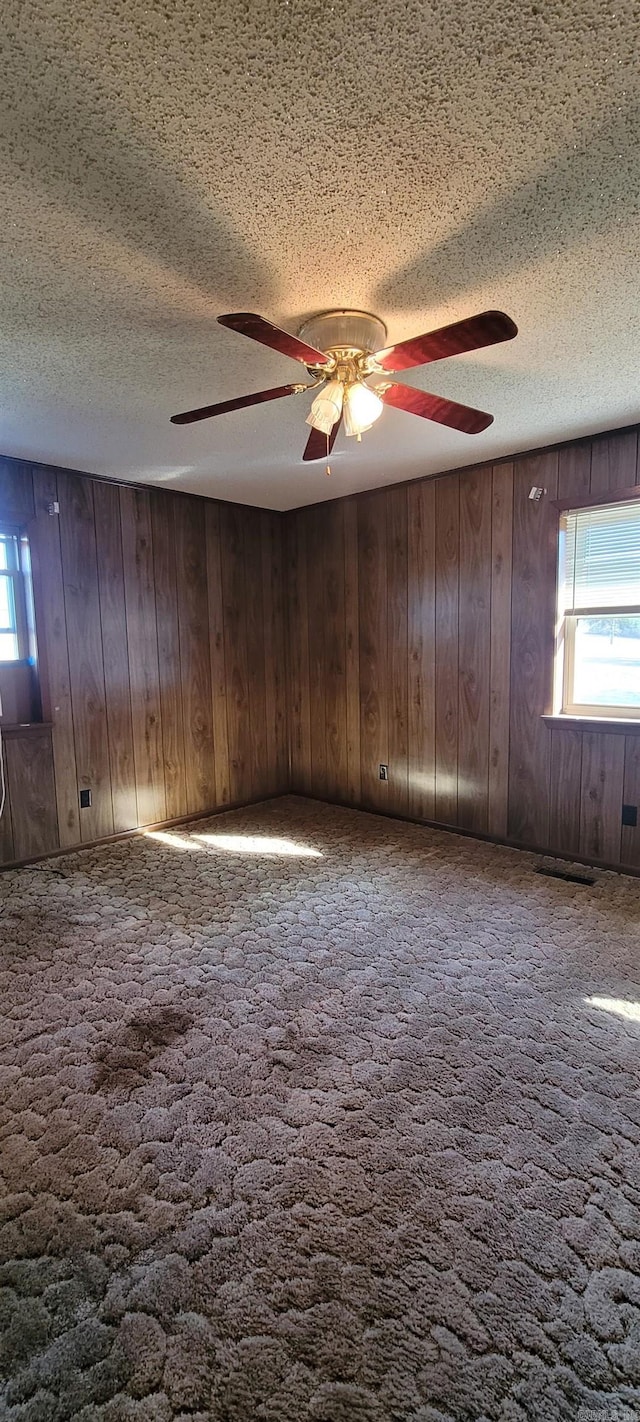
point(545, 851)
point(142, 829)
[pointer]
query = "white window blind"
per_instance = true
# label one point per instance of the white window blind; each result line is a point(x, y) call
point(602, 557)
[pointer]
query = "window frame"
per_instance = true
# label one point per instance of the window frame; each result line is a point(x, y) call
point(19, 598)
point(566, 623)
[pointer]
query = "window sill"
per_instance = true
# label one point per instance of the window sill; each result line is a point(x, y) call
point(23, 728)
point(623, 726)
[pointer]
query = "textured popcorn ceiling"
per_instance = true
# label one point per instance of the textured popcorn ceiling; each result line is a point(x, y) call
point(165, 163)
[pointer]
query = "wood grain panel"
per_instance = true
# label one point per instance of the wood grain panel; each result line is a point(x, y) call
point(603, 759)
point(136, 654)
point(574, 471)
point(261, 782)
point(16, 492)
point(352, 651)
point(169, 664)
point(500, 654)
point(116, 662)
point(86, 663)
point(630, 835)
point(533, 603)
point(446, 668)
point(335, 632)
point(142, 645)
point(474, 649)
point(53, 651)
point(428, 610)
point(374, 667)
point(31, 788)
point(421, 629)
point(235, 650)
point(398, 650)
point(316, 541)
point(565, 797)
point(217, 656)
point(7, 852)
point(614, 462)
point(271, 540)
point(298, 654)
point(195, 666)
point(270, 650)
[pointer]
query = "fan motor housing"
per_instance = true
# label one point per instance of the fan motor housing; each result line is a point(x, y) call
point(344, 331)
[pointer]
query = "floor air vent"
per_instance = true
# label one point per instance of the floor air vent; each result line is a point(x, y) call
point(566, 874)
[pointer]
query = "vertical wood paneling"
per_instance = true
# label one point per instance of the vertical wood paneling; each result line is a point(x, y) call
point(352, 651)
point(270, 649)
point(398, 649)
point(316, 524)
point(601, 796)
point(533, 602)
point(260, 777)
point(16, 492)
point(7, 852)
point(217, 654)
point(141, 669)
point(614, 461)
point(193, 621)
point(421, 611)
point(335, 682)
point(630, 837)
point(454, 610)
point(416, 624)
point(374, 667)
point(86, 664)
point(446, 668)
point(298, 654)
point(272, 539)
point(235, 650)
point(142, 644)
point(169, 665)
point(500, 655)
point(53, 651)
point(565, 801)
point(31, 788)
point(574, 471)
point(474, 649)
point(116, 662)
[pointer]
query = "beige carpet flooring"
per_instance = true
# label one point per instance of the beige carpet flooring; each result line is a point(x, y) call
point(341, 1136)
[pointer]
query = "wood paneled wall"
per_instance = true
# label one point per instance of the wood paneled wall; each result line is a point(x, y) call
point(162, 658)
point(421, 635)
point(416, 623)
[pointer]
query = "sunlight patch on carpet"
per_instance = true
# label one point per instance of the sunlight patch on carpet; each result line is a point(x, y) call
point(630, 1010)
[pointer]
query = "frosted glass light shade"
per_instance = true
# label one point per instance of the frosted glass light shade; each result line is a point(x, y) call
point(361, 408)
point(327, 407)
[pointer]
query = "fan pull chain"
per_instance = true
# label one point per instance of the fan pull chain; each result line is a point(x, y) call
point(328, 471)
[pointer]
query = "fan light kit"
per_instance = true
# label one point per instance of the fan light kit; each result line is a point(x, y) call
point(342, 351)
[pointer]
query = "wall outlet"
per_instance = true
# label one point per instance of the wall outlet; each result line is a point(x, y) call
point(384, 772)
point(85, 799)
point(630, 815)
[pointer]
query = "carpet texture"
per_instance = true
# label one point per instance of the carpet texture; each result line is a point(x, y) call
point(347, 1136)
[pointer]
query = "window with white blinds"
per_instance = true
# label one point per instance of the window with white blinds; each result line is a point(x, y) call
point(602, 558)
point(600, 610)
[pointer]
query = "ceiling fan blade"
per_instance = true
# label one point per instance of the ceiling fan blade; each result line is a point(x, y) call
point(224, 406)
point(248, 324)
point(434, 407)
point(319, 445)
point(487, 329)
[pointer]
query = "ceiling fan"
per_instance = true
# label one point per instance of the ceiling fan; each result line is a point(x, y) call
point(342, 350)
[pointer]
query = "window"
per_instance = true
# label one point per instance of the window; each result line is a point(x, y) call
point(599, 589)
point(14, 620)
